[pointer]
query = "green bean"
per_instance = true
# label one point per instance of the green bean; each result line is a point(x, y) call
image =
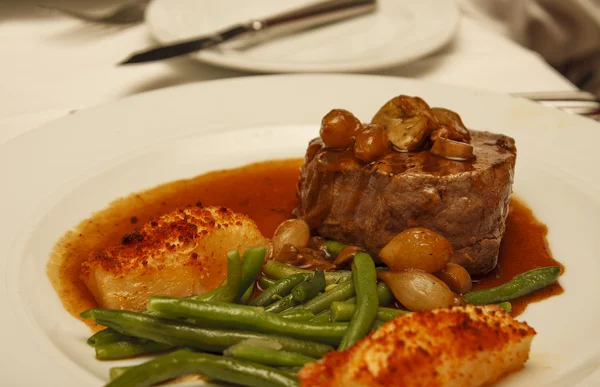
point(251, 265)
point(341, 311)
point(280, 289)
point(334, 247)
point(384, 294)
point(308, 290)
point(129, 348)
point(184, 362)
point(291, 371)
point(254, 258)
point(250, 270)
point(245, 299)
point(104, 336)
point(506, 305)
point(181, 334)
point(265, 282)
point(299, 315)
point(387, 314)
point(282, 305)
point(208, 296)
point(115, 372)
point(378, 324)
point(268, 356)
point(323, 317)
point(519, 286)
point(234, 278)
point(365, 282)
point(278, 270)
point(330, 287)
point(323, 301)
point(156, 313)
point(246, 317)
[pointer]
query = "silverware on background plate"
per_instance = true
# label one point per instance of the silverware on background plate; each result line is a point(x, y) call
point(312, 15)
point(129, 12)
point(576, 102)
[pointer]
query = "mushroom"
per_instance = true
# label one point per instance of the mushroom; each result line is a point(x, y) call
point(450, 126)
point(452, 150)
point(408, 121)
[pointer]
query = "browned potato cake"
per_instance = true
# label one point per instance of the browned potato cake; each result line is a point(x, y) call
point(178, 254)
point(465, 346)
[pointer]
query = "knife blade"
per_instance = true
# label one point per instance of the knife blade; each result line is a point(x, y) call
point(310, 16)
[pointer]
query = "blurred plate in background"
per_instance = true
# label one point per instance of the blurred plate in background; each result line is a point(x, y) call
point(398, 32)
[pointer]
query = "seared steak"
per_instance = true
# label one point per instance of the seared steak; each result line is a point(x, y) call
point(467, 202)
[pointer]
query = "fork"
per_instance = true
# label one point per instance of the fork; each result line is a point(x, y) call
point(129, 12)
point(575, 102)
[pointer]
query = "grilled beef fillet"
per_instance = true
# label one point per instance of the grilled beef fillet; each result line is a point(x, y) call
point(345, 199)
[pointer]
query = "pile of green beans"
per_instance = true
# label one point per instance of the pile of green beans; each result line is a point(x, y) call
point(246, 318)
point(224, 335)
point(183, 334)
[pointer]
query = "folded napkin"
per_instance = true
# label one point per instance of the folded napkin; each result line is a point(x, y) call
point(565, 33)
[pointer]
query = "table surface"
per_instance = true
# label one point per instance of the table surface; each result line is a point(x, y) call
point(53, 64)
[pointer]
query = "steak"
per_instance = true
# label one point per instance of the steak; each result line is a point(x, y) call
point(345, 199)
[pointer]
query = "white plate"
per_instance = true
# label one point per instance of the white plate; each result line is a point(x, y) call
point(398, 32)
point(55, 176)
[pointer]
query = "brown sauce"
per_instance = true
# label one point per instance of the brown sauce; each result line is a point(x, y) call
point(267, 193)
point(524, 247)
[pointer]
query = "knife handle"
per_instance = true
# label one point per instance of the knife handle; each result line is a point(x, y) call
point(313, 15)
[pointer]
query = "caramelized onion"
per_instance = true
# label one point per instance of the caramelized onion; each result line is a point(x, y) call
point(338, 128)
point(317, 243)
point(452, 150)
point(304, 257)
point(417, 248)
point(287, 254)
point(313, 259)
point(346, 255)
point(292, 231)
point(418, 291)
point(456, 277)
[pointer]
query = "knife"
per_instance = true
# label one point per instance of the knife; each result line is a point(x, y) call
point(312, 15)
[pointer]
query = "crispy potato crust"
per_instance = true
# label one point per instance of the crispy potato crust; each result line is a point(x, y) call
point(463, 346)
point(146, 247)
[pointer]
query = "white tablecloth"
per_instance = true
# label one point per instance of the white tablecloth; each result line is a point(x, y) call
point(52, 65)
